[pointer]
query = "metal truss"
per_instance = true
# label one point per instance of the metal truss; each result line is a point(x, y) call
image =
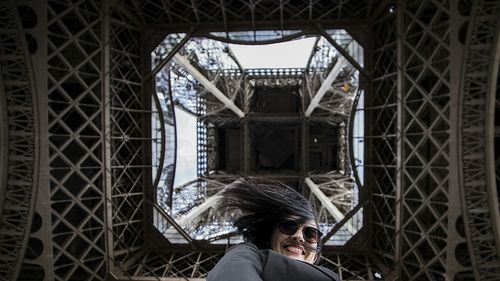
point(77, 168)
point(481, 211)
point(19, 148)
point(335, 198)
point(229, 14)
point(330, 93)
point(173, 266)
point(193, 215)
point(208, 85)
point(433, 208)
point(380, 138)
point(423, 143)
point(207, 69)
point(211, 147)
point(274, 73)
point(201, 138)
point(128, 171)
point(163, 134)
point(195, 265)
point(426, 244)
point(206, 60)
point(351, 266)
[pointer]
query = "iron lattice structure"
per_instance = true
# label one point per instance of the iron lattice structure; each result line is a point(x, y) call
point(75, 196)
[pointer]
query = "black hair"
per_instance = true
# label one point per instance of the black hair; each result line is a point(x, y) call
point(261, 204)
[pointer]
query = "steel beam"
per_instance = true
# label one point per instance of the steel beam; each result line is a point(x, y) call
point(326, 85)
point(329, 206)
point(207, 84)
point(21, 155)
point(197, 211)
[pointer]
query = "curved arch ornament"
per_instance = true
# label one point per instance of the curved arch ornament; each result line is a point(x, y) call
point(17, 189)
point(478, 102)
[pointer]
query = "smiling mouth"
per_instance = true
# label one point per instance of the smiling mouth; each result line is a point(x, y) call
point(295, 249)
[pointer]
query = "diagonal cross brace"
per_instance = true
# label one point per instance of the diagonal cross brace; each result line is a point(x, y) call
point(328, 205)
point(326, 85)
point(208, 85)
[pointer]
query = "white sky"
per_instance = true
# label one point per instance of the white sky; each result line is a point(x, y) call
point(185, 168)
point(290, 54)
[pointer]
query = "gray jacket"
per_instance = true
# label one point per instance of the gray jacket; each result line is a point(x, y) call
point(245, 262)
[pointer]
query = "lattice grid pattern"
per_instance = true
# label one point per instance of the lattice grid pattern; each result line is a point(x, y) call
point(350, 266)
point(127, 110)
point(417, 148)
point(17, 98)
point(380, 162)
point(177, 264)
point(75, 136)
point(197, 265)
point(173, 12)
point(424, 139)
point(481, 215)
point(201, 140)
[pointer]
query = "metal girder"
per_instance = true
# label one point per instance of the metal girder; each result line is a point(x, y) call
point(18, 182)
point(173, 231)
point(164, 60)
point(209, 85)
point(106, 139)
point(343, 52)
point(4, 143)
point(380, 139)
point(480, 195)
point(126, 173)
point(180, 225)
point(326, 85)
point(327, 204)
point(198, 210)
point(251, 15)
point(491, 100)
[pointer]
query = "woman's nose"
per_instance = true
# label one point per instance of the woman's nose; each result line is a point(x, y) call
point(298, 236)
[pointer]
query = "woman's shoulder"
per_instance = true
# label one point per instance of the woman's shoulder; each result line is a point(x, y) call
point(247, 261)
point(248, 250)
point(243, 261)
point(244, 247)
point(291, 269)
point(330, 273)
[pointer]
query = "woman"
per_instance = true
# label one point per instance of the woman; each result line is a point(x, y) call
point(282, 240)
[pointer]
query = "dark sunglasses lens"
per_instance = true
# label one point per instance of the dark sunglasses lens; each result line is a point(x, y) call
point(311, 234)
point(288, 227)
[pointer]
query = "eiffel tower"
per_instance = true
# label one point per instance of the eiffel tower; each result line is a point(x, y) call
point(388, 127)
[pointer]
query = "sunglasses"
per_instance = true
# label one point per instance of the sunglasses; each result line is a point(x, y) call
point(290, 227)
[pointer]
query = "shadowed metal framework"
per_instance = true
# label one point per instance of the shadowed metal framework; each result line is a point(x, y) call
point(75, 153)
point(277, 122)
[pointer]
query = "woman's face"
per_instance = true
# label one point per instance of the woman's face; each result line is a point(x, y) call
point(295, 245)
